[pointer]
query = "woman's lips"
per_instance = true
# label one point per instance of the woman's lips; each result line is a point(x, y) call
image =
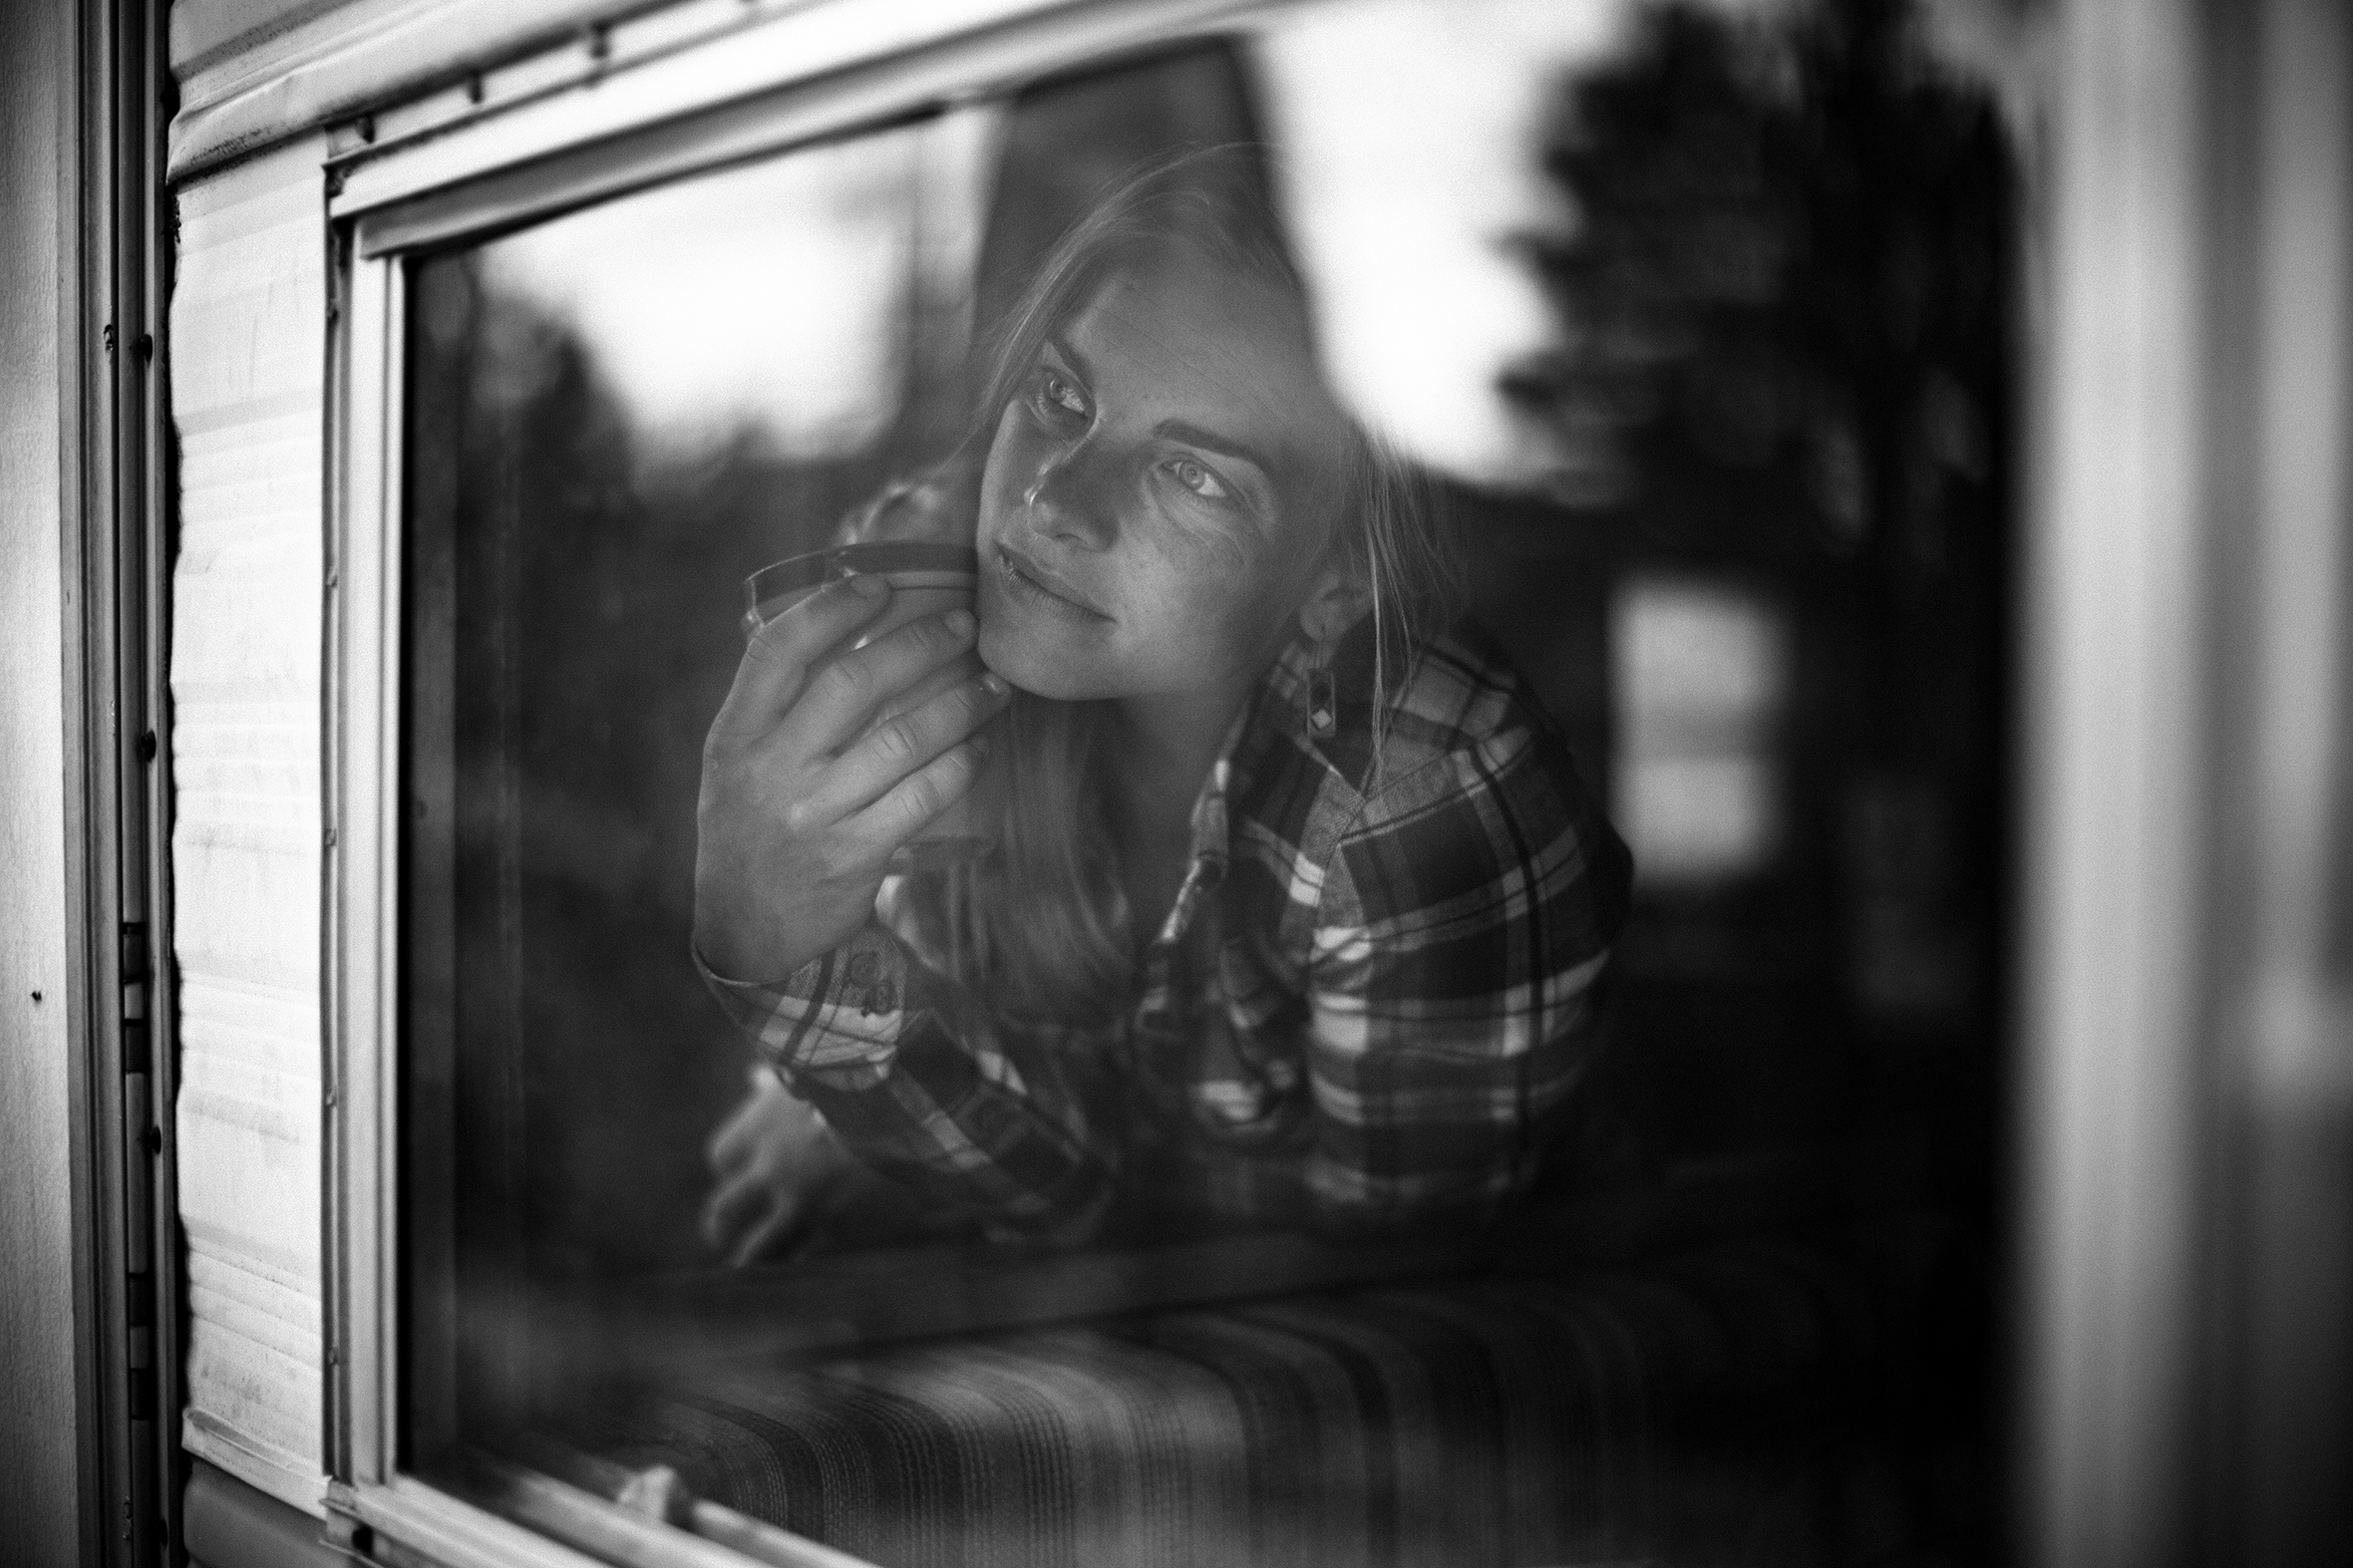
point(1029, 581)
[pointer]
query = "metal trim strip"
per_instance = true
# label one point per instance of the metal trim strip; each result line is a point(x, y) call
point(785, 86)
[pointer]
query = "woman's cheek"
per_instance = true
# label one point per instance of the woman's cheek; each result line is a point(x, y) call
point(1231, 595)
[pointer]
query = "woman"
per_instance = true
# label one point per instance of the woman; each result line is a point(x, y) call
point(1299, 906)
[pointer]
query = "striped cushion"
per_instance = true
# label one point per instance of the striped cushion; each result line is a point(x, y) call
point(1488, 1422)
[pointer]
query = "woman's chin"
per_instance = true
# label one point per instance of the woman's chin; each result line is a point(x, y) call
point(1036, 664)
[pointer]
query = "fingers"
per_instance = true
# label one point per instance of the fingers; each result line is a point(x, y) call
point(910, 805)
point(766, 1236)
point(775, 1161)
point(740, 1206)
point(732, 1144)
point(739, 1138)
point(843, 696)
point(780, 654)
point(896, 748)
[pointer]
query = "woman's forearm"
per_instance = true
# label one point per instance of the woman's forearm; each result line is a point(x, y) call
point(920, 1085)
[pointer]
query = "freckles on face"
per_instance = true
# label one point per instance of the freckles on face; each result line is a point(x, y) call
point(1150, 489)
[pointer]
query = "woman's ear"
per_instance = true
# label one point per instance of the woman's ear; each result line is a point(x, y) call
point(1335, 600)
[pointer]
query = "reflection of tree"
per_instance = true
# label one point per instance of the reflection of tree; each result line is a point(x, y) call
point(597, 596)
point(1787, 312)
point(1786, 297)
point(1787, 307)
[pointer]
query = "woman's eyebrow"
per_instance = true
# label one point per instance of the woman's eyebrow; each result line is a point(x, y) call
point(1070, 356)
point(1209, 441)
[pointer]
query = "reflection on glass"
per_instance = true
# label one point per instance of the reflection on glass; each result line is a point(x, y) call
point(766, 304)
point(1702, 673)
point(1291, 1136)
point(924, 580)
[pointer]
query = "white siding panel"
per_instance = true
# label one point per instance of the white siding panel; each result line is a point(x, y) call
point(248, 336)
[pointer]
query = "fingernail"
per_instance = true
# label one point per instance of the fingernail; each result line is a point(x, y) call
point(980, 745)
point(993, 684)
point(960, 622)
point(868, 586)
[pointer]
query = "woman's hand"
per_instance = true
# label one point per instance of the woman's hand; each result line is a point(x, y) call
point(779, 1171)
point(801, 805)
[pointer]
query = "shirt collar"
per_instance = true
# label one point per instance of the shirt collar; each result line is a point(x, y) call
point(1212, 827)
point(1281, 701)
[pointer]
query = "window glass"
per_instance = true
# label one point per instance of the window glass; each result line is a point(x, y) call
point(1701, 672)
point(1329, 950)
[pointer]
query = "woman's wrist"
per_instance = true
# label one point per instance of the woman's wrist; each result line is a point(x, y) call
point(737, 952)
point(864, 972)
point(741, 941)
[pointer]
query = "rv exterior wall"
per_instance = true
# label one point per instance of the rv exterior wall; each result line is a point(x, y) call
point(250, 322)
point(39, 1464)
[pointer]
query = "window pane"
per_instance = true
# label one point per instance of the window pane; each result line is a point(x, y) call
point(1700, 677)
point(615, 417)
point(1392, 459)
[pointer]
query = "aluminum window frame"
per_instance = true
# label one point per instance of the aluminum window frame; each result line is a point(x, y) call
point(643, 109)
point(2118, 533)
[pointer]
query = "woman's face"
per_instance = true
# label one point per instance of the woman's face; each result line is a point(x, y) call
point(1158, 490)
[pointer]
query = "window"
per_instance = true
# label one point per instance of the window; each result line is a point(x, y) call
point(1701, 675)
point(1337, 1255)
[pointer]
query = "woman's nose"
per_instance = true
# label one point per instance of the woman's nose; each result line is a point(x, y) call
point(1069, 498)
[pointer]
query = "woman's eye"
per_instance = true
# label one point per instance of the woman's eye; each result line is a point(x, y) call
point(1060, 397)
point(1197, 479)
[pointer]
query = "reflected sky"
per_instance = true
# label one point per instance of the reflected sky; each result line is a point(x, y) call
point(1408, 130)
point(767, 298)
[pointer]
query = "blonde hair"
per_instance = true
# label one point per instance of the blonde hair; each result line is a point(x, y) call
point(1034, 928)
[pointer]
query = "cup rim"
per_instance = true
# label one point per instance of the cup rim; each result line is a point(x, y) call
point(800, 572)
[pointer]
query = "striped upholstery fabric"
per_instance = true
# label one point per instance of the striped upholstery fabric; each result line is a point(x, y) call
point(1483, 1422)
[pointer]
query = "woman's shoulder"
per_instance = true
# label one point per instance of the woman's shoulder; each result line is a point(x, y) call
point(1458, 720)
point(1461, 690)
point(1477, 790)
point(1451, 693)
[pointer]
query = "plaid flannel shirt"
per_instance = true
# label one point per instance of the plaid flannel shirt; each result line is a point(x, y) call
point(1363, 1009)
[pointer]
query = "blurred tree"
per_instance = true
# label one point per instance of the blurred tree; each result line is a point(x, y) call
point(1786, 297)
point(592, 591)
point(1789, 317)
point(1787, 307)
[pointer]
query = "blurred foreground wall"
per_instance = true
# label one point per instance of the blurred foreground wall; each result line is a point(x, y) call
point(2185, 1095)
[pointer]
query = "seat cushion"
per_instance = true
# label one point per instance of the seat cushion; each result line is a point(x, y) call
point(1490, 1421)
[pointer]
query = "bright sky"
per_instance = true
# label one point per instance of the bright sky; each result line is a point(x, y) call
point(763, 297)
point(1407, 127)
point(1408, 131)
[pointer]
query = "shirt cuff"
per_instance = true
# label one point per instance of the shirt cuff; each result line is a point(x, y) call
point(844, 1010)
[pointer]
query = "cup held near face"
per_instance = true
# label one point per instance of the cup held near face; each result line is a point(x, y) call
point(925, 579)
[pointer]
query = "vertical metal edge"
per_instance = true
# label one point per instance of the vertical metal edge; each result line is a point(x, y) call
point(106, 238)
point(334, 1222)
point(360, 889)
point(142, 211)
point(382, 802)
point(161, 515)
point(81, 493)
